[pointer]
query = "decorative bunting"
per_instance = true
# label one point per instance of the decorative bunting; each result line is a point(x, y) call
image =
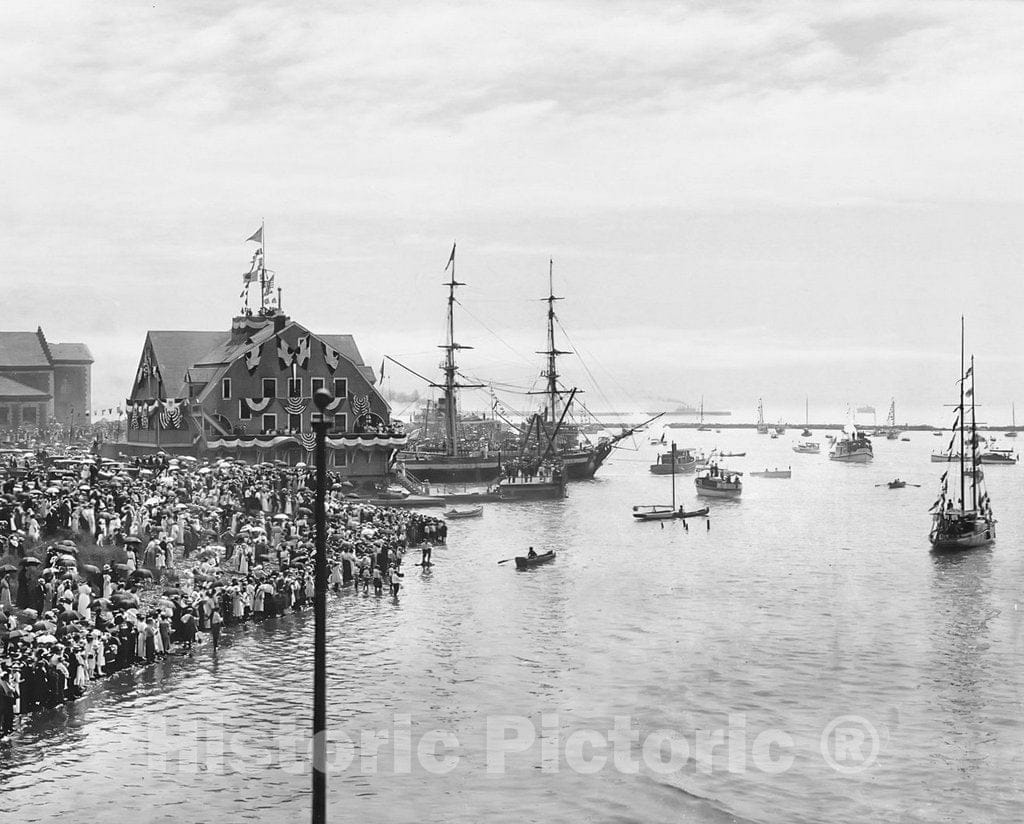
point(299, 356)
point(308, 441)
point(252, 357)
point(257, 405)
point(360, 404)
point(332, 357)
point(296, 406)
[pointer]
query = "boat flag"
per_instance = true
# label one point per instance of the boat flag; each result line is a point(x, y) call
point(970, 371)
point(382, 369)
point(451, 258)
point(969, 393)
point(257, 236)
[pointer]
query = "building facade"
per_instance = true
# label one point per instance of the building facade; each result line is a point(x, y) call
point(247, 393)
point(42, 382)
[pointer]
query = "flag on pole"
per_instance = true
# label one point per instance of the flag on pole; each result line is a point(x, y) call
point(256, 236)
point(451, 258)
point(969, 393)
point(970, 371)
point(382, 369)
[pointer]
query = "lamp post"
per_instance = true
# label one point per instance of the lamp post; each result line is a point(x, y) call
point(320, 426)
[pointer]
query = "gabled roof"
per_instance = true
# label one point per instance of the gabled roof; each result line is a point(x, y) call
point(176, 351)
point(227, 351)
point(13, 390)
point(76, 352)
point(23, 349)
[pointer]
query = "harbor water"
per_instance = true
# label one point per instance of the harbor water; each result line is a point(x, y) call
point(805, 659)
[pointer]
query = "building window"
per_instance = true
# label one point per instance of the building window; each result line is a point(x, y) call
point(270, 387)
point(339, 457)
point(29, 414)
point(294, 387)
point(341, 387)
point(225, 389)
point(269, 423)
point(244, 412)
point(340, 422)
point(5, 416)
point(295, 423)
point(315, 384)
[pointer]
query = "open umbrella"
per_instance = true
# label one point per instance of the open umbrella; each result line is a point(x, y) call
point(124, 599)
point(7, 569)
point(121, 567)
point(132, 539)
point(141, 573)
point(90, 568)
point(30, 614)
point(30, 560)
point(67, 560)
point(100, 603)
point(46, 639)
point(170, 591)
point(44, 626)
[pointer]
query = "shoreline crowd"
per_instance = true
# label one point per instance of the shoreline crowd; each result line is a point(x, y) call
point(183, 549)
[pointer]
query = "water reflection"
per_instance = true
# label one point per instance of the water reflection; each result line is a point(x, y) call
point(962, 608)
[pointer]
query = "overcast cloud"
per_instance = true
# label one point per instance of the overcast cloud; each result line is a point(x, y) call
point(742, 200)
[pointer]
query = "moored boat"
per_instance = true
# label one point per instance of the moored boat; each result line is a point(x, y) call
point(772, 473)
point(684, 461)
point(715, 482)
point(762, 427)
point(807, 447)
point(854, 448)
point(468, 512)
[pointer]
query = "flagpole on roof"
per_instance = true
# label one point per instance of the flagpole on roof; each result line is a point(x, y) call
point(263, 266)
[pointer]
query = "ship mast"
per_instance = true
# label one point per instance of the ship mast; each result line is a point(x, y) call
point(450, 385)
point(551, 372)
point(974, 447)
point(963, 496)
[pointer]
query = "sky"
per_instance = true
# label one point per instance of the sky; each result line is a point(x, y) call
point(742, 200)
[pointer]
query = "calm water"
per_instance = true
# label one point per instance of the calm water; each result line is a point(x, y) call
point(811, 600)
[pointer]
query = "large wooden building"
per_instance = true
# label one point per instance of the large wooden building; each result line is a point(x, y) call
point(42, 382)
point(247, 393)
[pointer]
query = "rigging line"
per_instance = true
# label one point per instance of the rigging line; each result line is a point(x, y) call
point(500, 339)
point(586, 368)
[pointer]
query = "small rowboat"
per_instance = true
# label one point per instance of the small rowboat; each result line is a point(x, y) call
point(693, 513)
point(468, 512)
point(523, 562)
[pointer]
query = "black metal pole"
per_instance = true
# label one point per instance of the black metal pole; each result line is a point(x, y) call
point(320, 426)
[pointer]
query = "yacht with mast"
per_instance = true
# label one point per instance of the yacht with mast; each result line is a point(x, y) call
point(962, 518)
point(762, 427)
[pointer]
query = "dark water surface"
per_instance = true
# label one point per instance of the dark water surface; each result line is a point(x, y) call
point(849, 674)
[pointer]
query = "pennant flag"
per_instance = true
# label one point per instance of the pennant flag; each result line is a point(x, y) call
point(382, 370)
point(257, 236)
point(970, 371)
point(451, 258)
point(943, 476)
point(969, 392)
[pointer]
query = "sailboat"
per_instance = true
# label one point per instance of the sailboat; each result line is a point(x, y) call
point(807, 419)
point(701, 427)
point(891, 432)
point(660, 512)
point(762, 427)
point(964, 521)
point(1013, 413)
point(452, 460)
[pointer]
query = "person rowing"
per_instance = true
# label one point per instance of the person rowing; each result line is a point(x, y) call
point(531, 553)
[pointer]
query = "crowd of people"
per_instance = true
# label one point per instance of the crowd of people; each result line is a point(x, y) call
point(193, 548)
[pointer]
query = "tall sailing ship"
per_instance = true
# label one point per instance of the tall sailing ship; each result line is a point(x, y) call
point(963, 517)
point(580, 457)
point(453, 459)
